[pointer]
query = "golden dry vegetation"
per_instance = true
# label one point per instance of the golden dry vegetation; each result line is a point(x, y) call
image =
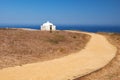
point(18, 47)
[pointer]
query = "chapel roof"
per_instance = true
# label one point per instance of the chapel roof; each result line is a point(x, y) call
point(47, 23)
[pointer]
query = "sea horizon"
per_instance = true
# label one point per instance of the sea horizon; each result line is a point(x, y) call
point(87, 28)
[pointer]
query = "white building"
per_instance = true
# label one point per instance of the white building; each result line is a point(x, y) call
point(48, 26)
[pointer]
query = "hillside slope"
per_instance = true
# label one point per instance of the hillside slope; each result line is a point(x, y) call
point(18, 47)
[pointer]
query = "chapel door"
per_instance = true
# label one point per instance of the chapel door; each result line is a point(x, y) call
point(50, 28)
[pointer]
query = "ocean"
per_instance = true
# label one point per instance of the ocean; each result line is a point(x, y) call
point(71, 27)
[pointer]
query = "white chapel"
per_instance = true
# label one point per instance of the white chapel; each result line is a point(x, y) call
point(48, 26)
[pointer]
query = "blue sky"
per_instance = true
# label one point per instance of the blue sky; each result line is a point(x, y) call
point(83, 12)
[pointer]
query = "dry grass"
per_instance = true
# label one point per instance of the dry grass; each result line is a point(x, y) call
point(112, 70)
point(18, 47)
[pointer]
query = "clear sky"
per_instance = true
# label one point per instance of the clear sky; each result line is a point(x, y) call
point(83, 12)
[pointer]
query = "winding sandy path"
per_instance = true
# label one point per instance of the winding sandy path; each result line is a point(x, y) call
point(96, 55)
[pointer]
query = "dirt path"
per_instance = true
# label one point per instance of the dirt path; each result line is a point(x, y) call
point(96, 55)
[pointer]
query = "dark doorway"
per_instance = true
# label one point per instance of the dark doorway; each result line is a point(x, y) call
point(50, 28)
